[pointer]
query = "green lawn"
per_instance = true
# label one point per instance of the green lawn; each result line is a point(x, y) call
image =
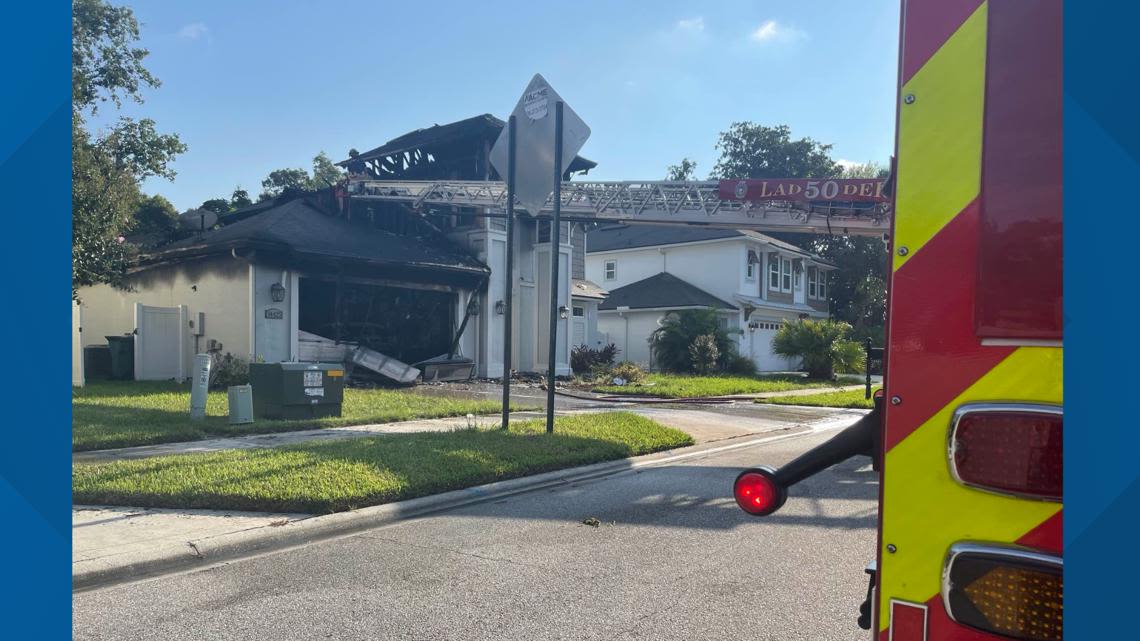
point(353, 473)
point(851, 398)
point(109, 414)
point(685, 386)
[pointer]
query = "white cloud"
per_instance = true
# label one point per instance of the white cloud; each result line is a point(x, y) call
point(194, 31)
point(692, 25)
point(848, 164)
point(771, 31)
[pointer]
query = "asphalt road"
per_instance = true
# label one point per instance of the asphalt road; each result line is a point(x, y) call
point(673, 558)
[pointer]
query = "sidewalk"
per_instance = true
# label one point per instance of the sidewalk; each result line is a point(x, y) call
point(113, 544)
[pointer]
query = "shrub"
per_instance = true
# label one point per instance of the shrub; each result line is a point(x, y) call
point(627, 370)
point(823, 346)
point(739, 365)
point(227, 371)
point(671, 341)
point(704, 354)
point(584, 358)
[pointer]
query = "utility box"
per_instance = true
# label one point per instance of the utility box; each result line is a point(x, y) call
point(241, 404)
point(293, 391)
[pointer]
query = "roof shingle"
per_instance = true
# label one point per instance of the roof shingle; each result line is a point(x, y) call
point(661, 291)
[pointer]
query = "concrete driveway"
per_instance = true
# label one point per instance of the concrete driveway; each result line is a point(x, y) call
point(673, 558)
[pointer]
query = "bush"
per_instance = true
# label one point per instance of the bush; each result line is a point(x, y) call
point(671, 341)
point(627, 370)
point(739, 365)
point(227, 371)
point(704, 354)
point(823, 345)
point(584, 358)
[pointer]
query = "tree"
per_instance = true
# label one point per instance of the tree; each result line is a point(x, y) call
point(749, 150)
point(823, 345)
point(217, 205)
point(155, 215)
point(280, 180)
point(107, 169)
point(682, 171)
point(325, 173)
point(239, 199)
point(671, 341)
point(704, 354)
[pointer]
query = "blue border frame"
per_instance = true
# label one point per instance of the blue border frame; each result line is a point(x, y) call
point(1102, 442)
point(35, 458)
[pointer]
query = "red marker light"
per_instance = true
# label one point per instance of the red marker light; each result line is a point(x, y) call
point(757, 492)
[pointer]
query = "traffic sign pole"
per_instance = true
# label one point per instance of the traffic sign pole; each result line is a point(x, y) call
point(510, 278)
point(555, 249)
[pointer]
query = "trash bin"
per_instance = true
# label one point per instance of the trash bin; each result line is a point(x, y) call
point(296, 390)
point(122, 357)
point(97, 362)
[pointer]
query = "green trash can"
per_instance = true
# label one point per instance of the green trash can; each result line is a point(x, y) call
point(291, 391)
point(122, 357)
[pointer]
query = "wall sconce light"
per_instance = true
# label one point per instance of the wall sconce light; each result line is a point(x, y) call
point(500, 307)
point(563, 312)
point(473, 306)
point(277, 292)
point(752, 326)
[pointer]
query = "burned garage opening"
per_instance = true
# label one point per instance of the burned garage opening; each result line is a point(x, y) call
point(408, 324)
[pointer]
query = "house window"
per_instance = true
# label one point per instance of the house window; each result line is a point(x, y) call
point(579, 311)
point(543, 228)
point(611, 269)
point(786, 275)
point(822, 289)
point(774, 274)
point(811, 283)
point(750, 274)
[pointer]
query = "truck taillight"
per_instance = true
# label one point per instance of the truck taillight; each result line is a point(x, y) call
point(1010, 448)
point(1011, 591)
point(757, 491)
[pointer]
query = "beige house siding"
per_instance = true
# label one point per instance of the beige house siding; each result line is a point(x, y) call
point(219, 287)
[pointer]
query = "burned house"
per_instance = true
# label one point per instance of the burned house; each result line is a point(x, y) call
point(301, 276)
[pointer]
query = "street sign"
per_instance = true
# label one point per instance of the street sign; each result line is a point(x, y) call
point(534, 171)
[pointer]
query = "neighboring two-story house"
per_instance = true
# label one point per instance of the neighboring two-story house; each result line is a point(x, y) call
point(754, 281)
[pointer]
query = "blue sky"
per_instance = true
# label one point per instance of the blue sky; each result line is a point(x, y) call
point(257, 85)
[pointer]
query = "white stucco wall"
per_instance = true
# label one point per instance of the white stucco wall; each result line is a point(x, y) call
point(714, 267)
point(219, 287)
point(630, 331)
point(272, 336)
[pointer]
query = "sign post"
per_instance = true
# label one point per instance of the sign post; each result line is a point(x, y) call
point(509, 278)
point(533, 168)
point(555, 250)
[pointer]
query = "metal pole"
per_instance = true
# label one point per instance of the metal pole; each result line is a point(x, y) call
point(510, 276)
point(867, 364)
point(555, 246)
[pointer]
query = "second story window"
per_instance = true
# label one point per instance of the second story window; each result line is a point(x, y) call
point(811, 282)
point(774, 274)
point(786, 275)
point(611, 269)
point(821, 288)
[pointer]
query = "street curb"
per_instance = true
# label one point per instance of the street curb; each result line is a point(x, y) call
point(212, 550)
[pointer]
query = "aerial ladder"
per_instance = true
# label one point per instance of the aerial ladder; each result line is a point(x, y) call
point(819, 206)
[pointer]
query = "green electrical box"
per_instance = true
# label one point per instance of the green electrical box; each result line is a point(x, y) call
point(293, 391)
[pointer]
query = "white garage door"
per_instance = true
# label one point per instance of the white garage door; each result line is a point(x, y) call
point(762, 354)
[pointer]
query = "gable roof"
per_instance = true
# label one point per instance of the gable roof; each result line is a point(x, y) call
point(301, 229)
point(484, 126)
point(617, 237)
point(662, 291)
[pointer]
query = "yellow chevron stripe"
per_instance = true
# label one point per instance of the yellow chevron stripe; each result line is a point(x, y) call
point(940, 137)
point(925, 510)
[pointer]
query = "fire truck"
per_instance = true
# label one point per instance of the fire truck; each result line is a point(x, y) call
point(966, 432)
